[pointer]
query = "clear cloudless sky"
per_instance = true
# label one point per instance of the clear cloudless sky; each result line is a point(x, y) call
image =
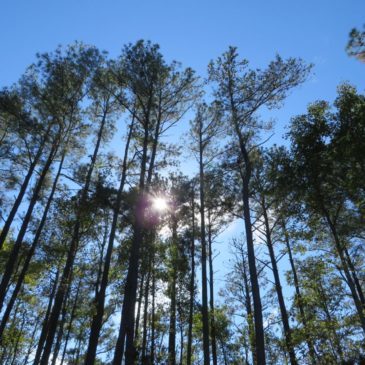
point(194, 32)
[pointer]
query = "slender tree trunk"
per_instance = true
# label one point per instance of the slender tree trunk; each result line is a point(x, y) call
point(192, 285)
point(43, 334)
point(5, 229)
point(136, 330)
point(250, 320)
point(278, 288)
point(204, 253)
point(224, 353)
point(31, 344)
point(100, 297)
point(312, 352)
point(211, 291)
point(57, 345)
point(349, 278)
point(152, 351)
point(259, 326)
point(67, 271)
point(126, 330)
point(9, 267)
point(145, 314)
point(181, 344)
point(355, 277)
point(30, 253)
point(246, 177)
point(337, 344)
point(72, 317)
point(15, 356)
point(172, 294)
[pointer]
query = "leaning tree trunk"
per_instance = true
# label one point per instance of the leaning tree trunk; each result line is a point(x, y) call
point(152, 351)
point(9, 267)
point(211, 291)
point(23, 189)
point(349, 279)
point(43, 334)
point(145, 315)
point(72, 317)
point(246, 177)
point(259, 326)
point(138, 316)
point(312, 352)
point(204, 252)
point(100, 297)
point(126, 329)
point(278, 288)
point(192, 285)
point(71, 255)
point(30, 253)
point(172, 294)
point(250, 324)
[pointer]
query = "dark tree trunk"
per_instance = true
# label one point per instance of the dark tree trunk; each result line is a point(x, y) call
point(192, 285)
point(349, 279)
point(57, 345)
point(172, 295)
point(31, 344)
point(67, 271)
point(152, 351)
point(246, 177)
point(15, 356)
point(355, 277)
point(72, 317)
point(30, 253)
point(136, 330)
point(250, 321)
point(312, 352)
point(278, 288)
point(338, 353)
point(211, 291)
point(259, 326)
point(100, 297)
point(145, 314)
point(9, 267)
point(126, 330)
point(43, 334)
point(204, 252)
point(23, 189)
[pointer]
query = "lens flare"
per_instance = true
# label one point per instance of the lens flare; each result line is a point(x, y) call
point(159, 204)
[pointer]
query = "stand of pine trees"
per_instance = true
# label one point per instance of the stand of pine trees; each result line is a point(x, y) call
point(109, 239)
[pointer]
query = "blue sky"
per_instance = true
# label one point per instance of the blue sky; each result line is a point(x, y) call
point(194, 32)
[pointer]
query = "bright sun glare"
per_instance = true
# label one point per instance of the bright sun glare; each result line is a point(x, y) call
point(159, 204)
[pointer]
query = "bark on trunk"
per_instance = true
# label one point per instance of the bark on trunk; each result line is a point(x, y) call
point(9, 267)
point(172, 294)
point(43, 334)
point(192, 285)
point(5, 229)
point(312, 352)
point(30, 253)
point(246, 176)
point(211, 291)
point(67, 271)
point(204, 252)
point(145, 314)
point(278, 288)
point(152, 351)
point(100, 297)
point(126, 330)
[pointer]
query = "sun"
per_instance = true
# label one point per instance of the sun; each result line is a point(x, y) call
point(159, 204)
